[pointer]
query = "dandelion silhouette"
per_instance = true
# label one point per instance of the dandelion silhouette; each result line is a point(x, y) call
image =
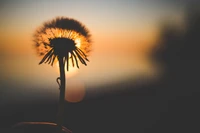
point(62, 39)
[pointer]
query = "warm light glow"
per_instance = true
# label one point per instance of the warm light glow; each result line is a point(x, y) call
point(73, 70)
point(51, 33)
point(78, 42)
point(75, 91)
point(63, 39)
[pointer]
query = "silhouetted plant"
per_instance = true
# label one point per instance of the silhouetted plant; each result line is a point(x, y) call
point(62, 39)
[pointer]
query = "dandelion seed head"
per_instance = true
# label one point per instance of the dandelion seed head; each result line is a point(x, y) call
point(62, 37)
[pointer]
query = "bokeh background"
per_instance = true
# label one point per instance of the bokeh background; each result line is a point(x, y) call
point(143, 66)
point(123, 34)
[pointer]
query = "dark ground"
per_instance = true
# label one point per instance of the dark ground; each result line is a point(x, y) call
point(168, 106)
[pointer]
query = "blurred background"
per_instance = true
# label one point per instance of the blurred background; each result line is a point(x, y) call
point(142, 75)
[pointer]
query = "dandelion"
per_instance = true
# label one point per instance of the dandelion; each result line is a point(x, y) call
point(62, 40)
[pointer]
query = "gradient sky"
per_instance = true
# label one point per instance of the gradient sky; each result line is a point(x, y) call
point(123, 33)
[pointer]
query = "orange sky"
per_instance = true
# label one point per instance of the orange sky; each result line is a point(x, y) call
point(123, 33)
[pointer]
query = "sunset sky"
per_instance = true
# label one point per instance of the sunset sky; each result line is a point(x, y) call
point(123, 34)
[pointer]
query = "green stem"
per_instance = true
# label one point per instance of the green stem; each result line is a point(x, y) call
point(60, 114)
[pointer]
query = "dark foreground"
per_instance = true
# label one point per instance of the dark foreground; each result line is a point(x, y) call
point(157, 108)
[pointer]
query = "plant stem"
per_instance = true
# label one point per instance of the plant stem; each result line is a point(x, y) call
point(60, 114)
